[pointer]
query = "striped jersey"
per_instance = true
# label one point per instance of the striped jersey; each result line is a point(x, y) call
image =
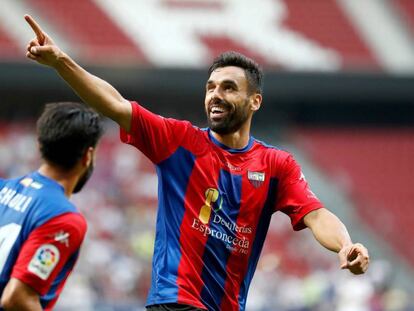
point(214, 208)
point(40, 235)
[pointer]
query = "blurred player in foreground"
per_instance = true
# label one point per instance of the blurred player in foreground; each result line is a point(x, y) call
point(40, 230)
point(218, 187)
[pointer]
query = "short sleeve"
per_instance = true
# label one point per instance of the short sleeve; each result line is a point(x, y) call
point(155, 136)
point(48, 249)
point(295, 198)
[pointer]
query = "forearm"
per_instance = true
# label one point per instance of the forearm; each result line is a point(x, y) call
point(26, 305)
point(328, 230)
point(94, 91)
point(17, 296)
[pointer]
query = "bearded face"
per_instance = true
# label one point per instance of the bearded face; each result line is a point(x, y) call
point(227, 101)
point(84, 178)
point(224, 117)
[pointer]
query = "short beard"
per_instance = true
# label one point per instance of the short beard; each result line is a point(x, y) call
point(232, 122)
point(84, 178)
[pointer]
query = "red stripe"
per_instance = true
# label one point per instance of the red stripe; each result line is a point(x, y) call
point(59, 289)
point(8, 48)
point(220, 44)
point(406, 9)
point(325, 22)
point(191, 264)
point(237, 264)
point(94, 33)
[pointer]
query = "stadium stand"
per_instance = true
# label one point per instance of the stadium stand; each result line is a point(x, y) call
point(93, 31)
point(333, 30)
point(97, 29)
point(8, 48)
point(406, 9)
point(113, 273)
point(378, 168)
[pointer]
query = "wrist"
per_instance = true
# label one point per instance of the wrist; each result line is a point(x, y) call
point(61, 61)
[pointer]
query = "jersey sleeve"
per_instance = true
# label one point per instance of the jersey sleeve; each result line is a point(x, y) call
point(47, 249)
point(155, 136)
point(295, 198)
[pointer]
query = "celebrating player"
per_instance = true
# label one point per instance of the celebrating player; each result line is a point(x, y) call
point(40, 230)
point(218, 187)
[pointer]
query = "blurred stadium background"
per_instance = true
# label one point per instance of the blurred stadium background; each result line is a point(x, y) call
point(339, 94)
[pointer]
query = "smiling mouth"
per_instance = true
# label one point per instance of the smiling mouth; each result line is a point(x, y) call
point(217, 113)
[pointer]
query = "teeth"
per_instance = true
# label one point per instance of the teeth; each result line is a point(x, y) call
point(217, 110)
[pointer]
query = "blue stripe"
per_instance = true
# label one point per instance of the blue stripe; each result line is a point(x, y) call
point(51, 294)
point(217, 251)
point(261, 233)
point(173, 178)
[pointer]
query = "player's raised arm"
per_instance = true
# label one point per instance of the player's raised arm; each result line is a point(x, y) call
point(94, 91)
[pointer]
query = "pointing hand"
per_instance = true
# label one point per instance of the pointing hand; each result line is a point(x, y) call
point(42, 48)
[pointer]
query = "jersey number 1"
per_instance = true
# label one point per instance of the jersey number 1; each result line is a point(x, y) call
point(8, 235)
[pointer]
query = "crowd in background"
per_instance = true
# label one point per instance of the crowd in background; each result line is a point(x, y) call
point(114, 269)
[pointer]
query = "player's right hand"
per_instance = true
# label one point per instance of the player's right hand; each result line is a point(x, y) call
point(42, 48)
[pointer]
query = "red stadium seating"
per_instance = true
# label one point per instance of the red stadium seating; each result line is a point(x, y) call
point(325, 22)
point(377, 168)
point(8, 48)
point(89, 27)
point(406, 8)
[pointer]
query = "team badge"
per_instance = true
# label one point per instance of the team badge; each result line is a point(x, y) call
point(44, 261)
point(256, 178)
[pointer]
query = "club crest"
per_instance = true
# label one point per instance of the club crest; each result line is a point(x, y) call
point(256, 178)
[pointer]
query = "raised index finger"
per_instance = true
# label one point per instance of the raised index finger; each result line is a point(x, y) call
point(36, 28)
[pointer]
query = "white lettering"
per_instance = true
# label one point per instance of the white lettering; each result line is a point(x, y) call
point(172, 35)
point(14, 200)
point(242, 242)
point(7, 196)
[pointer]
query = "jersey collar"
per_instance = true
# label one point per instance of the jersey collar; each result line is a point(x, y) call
point(231, 150)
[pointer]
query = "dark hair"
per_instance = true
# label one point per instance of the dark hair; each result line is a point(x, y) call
point(253, 72)
point(65, 131)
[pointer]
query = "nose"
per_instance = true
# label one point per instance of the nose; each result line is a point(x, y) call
point(217, 94)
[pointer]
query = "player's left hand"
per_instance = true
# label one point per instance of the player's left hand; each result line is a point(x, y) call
point(354, 257)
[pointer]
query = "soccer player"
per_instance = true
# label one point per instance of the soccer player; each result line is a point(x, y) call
point(218, 187)
point(41, 231)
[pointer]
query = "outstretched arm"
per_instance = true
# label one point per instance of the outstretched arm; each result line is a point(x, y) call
point(94, 91)
point(330, 232)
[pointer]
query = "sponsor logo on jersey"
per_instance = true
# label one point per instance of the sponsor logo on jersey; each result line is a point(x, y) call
point(256, 178)
point(212, 196)
point(44, 261)
point(234, 236)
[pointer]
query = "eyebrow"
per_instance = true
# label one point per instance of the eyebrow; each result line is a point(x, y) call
point(223, 82)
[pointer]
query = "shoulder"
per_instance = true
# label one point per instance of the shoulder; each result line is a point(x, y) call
point(72, 223)
point(275, 152)
point(48, 207)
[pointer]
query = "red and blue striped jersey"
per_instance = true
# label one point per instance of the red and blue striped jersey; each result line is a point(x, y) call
point(214, 208)
point(40, 235)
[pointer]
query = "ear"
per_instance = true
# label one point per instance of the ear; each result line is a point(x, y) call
point(255, 101)
point(88, 156)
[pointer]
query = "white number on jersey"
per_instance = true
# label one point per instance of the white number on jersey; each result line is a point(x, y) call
point(8, 235)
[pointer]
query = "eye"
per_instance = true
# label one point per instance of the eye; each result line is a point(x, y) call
point(209, 88)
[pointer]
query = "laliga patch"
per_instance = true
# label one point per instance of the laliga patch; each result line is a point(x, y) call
point(44, 261)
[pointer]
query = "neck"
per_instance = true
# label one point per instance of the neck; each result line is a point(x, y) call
point(236, 140)
point(66, 178)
